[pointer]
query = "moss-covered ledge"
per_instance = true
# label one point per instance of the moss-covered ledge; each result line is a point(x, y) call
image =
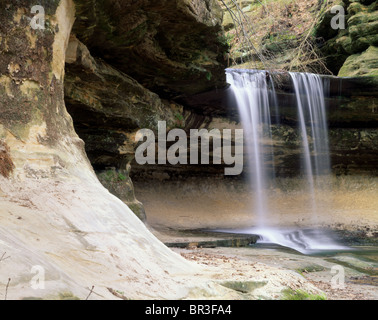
point(362, 64)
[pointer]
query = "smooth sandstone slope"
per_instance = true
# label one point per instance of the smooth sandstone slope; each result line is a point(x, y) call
point(54, 212)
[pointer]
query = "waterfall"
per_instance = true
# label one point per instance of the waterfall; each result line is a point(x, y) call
point(256, 100)
point(310, 95)
point(252, 95)
point(310, 99)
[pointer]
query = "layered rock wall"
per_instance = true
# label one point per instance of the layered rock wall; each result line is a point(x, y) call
point(55, 215)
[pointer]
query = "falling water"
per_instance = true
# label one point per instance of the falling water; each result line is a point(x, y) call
point(310, 99)
point(310, 94)
point(255, 98)
point(251, 92)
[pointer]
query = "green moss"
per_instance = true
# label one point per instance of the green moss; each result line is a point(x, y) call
point(112, 176)
point(108, 175)
point(244, 286)
point(119, 184)
point(180, 120)
point(310, 268)
point(121, 177)
point(364, 64)
point(138, 209)
point(290, 294)
point(67, 296)
point(61, 296)
point(226, 39)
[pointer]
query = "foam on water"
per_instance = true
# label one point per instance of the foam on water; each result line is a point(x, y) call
point(306, 241)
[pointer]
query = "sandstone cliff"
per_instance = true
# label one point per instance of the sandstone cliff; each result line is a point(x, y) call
point(54, 213)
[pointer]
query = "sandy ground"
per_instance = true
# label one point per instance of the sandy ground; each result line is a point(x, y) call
point(351, 204)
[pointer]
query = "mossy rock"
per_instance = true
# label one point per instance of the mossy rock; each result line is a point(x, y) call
point(244, 286)
point(363, 64)
point(228, 22)
point(67, 296)
point(361, 33)
point(138, 209)
point(290, 294)
point(118, 183)
point(322, 28)
point(363, 17)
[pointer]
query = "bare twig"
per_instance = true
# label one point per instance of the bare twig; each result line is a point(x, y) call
point(307, 50)
point(6, 289)
point(241, 22)
point(2, 258)
point(117, 294)
point(90, 292)
point(304, 57)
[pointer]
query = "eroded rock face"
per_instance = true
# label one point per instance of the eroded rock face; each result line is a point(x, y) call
point(109, 107)
point(54, 212)
point(124, 58)
point(170, 47)
point(33, 117)
point(352, 119)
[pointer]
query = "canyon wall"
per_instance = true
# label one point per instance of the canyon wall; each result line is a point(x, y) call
point(57, 221)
